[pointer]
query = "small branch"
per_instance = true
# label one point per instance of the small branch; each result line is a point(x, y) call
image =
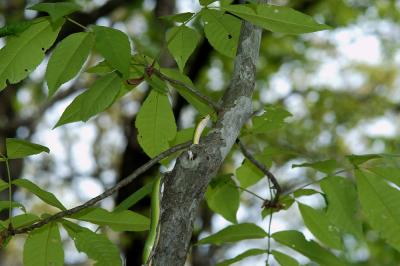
point(263, 169)
point(8, 232)
point(199, 95)
point(77, 23)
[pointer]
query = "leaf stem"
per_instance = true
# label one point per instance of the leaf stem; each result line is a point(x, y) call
point(9, 190)
point(77, 23)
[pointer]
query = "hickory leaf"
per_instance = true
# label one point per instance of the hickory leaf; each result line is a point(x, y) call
point(18, 148)
point(67, 59)
point(22, 54)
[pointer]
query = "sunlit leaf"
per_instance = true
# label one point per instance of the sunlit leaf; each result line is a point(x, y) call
point(182, 41)
point(222, 31)
point(206, 2)
point(94, 100)
point(273, 118)
point(248, 174)
point(18, 148)
point(327, 166)
point(310, 249)
point(114, 46)
point(24, 220)
point(56, 10)
point(44, 195)
point(44, 247)
point(283, 259)
point(6, 205)
point(380, 203)
point(181, 17)
point(360, 159)
point(276, 18)
point(156, 124)
point(234, 233)
point(320, 226)
point(223, 197)
point(246, 254)
point(305, 192)
point(97, 246)
point(67, 59)
point(22, 54)
point(342, 204)
point(118, 221)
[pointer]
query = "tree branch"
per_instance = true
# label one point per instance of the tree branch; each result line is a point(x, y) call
point(8, 232)
point(185, 186)
point(263, 169)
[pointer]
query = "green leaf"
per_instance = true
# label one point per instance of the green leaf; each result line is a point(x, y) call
point(305, 192)
point(135, 197)
point(114, 46)
point(320, 226)
point(97, 246)
point(182, 41)
point(24, 220)
point(156, 124)
point(389, 173)
point(310, 249)
point(276, 18)
point(360, 159)
point(67, 59)
point(18, 148)
point(117, 221)
point(234, 233)
point(96, 99)
point(44, 247)
point(6, 205)
point(248, 174)
point(342, 204)
point(327, 166)
point(380, 204)
point(56, 10)
point(223, 197)
point(182, 136)
point(222, 31)
point(44, 195)
point(206, 2)
point(181, 17)
point(273, 118)
point(246, 254)
point(202, 107)
point(15, 28)
point(23, 53)
point(3, 185)
point(283, 259)
point(101, 68)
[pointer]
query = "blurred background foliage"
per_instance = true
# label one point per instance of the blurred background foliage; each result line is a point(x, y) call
point(341, 86)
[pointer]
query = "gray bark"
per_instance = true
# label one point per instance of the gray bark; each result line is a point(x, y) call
point(185, 185)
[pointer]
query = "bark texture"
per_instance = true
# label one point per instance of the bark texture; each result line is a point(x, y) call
point(185, 185)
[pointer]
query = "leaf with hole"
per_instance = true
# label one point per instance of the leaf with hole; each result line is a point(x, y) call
point(18, 148)
point(67, 59)
point(222, 31)
point(22, 54)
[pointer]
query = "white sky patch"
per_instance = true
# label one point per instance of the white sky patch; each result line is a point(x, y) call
point(360, 48)
point(88, 187)
point(82, 148)
point(380, 127)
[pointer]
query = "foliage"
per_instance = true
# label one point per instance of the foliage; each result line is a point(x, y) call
point(350, 206)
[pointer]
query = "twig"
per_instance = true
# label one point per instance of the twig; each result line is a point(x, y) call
point(76, 23)
point(8, 232)
point(263, 169)
point(199, 95)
